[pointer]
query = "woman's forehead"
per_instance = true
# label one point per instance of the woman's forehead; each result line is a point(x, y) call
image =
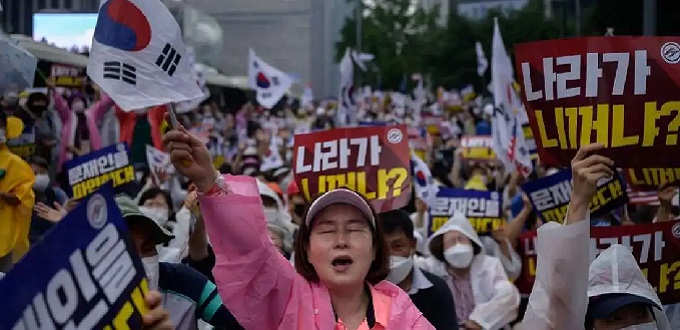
point(340, 214)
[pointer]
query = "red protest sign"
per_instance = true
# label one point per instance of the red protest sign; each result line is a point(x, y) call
point(373, 161)
point(655, 246)
point(622, 92)
point(651, 178)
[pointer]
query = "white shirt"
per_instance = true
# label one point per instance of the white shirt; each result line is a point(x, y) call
point(419, 281)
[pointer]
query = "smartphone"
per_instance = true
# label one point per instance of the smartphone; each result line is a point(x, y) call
point(174, 123)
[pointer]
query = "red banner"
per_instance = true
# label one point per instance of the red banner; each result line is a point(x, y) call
point(622, 92)
point(656, 248)
point(651, 178)
point(373, 161)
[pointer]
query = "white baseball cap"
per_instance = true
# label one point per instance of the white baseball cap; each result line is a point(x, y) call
point(340, 196)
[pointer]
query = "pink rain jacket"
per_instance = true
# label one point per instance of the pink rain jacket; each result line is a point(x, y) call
point(259, 286)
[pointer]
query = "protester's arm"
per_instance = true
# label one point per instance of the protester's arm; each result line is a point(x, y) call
point(254, 280)
point(100, 108)
point(514, 227)
point(60, 105)
point(666, 195)
point(456, 180)
point(559, 298)
point(198, 239)
point(502, 308)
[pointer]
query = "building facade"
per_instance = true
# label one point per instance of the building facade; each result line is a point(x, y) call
point(296, 36)
point(17, 15)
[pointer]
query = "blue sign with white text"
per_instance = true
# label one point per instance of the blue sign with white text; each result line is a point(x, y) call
point(484, 209)
point(89, 172)
point(84, 274)
point(551, 195)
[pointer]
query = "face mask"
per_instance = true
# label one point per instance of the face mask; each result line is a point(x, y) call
point(271, 213)
point(643, 326)
point(400, 267)
point(459, 256)
point(151, 268)
point(159, 215)
point(41, 182)
point(299, 209)
point(78, 106)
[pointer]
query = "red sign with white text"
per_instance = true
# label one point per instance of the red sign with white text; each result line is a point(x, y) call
point(655, 246)
point(623, 92)
point(372, 160)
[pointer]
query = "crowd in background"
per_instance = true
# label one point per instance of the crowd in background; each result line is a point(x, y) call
point(257, 142)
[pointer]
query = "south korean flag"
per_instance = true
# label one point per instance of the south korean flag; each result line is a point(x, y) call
point(138, 56)
point(270, 83)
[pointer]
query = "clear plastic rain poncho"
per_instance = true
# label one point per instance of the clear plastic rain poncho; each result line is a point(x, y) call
point(616, 271)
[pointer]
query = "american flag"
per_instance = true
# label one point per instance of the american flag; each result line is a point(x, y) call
point(642, 197)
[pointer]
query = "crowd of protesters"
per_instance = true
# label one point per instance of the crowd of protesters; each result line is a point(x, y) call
point(248, 251)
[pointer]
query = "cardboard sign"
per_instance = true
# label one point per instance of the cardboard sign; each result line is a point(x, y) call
point(655, 247)
point(651, 178)
point(89, 172)
point(477, 147)
point(68, 76)
point(85, 273)
point(618, 91)
point(483, 209)
point(550, 196)
point(373, 161)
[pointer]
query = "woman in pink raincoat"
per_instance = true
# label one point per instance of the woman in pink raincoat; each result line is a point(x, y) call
point(340, 256)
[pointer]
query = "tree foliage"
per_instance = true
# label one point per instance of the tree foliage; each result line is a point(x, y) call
point(407, 40)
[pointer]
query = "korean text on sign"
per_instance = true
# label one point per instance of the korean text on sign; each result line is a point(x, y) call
point(651, 178)
point(550, 196)
point(85, 274)
point(482, 208)
point(654, 246)
point(477, 148)
point(373, 161)
point(616, 91)
point(89, 172)
point(68, 75)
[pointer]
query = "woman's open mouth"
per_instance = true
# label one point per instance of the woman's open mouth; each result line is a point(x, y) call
point(342, 263)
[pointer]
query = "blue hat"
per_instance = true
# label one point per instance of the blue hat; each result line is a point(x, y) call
point(601, 306)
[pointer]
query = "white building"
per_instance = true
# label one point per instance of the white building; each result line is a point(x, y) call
point(296, 36)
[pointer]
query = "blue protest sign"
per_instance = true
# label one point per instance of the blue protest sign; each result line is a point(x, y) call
point(550, 195)
point(89, 172)
point(482, 208)
point(84, 274)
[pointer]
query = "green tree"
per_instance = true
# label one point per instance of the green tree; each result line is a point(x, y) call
point(397, 33)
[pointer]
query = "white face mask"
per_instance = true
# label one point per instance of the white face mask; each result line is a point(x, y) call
point(157, 214)
point(459, 255)
point(151, 268)
point(400, 267)
point(41, 182)
point(271, 214)
point(643, 326)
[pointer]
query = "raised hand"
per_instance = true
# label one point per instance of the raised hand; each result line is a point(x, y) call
point(190, 157)
point(52, 214)
point(587, 169)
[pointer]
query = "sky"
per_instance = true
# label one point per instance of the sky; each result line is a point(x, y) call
point(65, 30)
